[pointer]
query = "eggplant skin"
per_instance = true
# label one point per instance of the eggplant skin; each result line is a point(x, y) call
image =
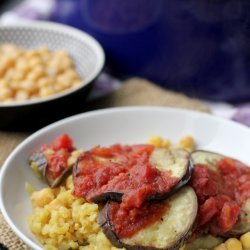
point(176, 161)
point(107, 228)
point(205, 157)
point(42, 164)
point(40, 160)
point(55, 183)
point(211, 159)
point(104, 197)
point(180, 168)
point(172, 231)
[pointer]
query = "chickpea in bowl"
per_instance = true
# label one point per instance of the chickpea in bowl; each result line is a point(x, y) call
point(46, 72)
point(34, 73)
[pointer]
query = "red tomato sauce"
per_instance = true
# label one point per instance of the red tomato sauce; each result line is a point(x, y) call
point(57, 162)
point(126, 170)
point(220, 194)
point(128, 222)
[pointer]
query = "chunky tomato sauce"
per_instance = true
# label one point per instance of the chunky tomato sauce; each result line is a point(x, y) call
point(128, 222)
point(122, 169)
point(220, 194)
point(62, 146)
point(126, 170)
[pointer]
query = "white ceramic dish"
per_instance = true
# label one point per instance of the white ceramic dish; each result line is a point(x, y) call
point(105, 127)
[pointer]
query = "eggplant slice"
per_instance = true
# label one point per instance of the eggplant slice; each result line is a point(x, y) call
point(205, 157)
point(174, 161)
point(169, 233)
point(211, 159)
point(41, 162)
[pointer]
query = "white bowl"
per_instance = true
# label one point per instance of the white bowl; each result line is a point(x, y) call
point(105, 127)
point(88, 57)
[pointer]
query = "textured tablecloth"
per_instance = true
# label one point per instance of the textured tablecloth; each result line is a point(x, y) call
point(132, 93)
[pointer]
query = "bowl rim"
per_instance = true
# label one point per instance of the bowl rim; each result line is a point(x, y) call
point(74, 32)
point(75, 118)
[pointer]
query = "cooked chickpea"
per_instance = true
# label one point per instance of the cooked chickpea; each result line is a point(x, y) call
point(28, 86)
point(42, 82)
point(187, 143)
point(30, 54)
point(32, 97)
point(245, 240)
point(5, 93)
point(52, 80)
point(71, 74)
point(60, 78)
point(233, 244)
point(76, 82)
point(18, 75)
point(21, 95)
point(66, 64)
point(39, 71)
point(9, 100)
point(9, 74)
point(46, 91)
point(221, 247)
point(45, 57)
point(34, 73)
point(166, 143)
point(22, 67)
point(4, 83)
point(53, 69)
point(2, 70)
point(157, 141)
point(67, 83)
point(8, 62)
point(15, 85)
point(59, 88)
point(34, 61)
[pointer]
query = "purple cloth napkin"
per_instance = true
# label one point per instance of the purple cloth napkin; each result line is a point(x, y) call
point(242, 115)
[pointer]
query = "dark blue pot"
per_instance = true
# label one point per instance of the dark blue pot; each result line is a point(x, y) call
point(200, 47)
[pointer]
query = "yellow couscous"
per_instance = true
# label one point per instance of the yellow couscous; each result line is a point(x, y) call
point(62, 221)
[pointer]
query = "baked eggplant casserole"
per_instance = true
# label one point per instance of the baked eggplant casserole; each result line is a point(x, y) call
point(154, 196)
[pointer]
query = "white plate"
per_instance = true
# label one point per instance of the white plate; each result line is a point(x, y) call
point(105, 127)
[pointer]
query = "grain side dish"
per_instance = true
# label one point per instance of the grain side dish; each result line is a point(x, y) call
point(34, 73)
point(144, 196)
point(62, 221)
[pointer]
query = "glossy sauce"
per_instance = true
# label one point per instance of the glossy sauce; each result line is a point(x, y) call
point(128, 222)
point(220, 194)
point(126, 170)
point(62, 147)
